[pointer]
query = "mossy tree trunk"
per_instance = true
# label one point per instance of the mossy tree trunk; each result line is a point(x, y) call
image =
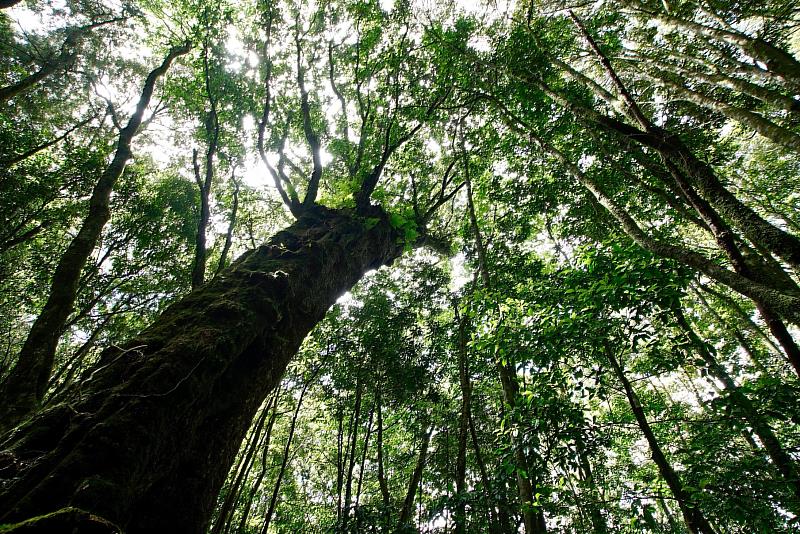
point(147, 439)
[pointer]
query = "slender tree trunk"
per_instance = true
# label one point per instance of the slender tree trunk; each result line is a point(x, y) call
point(786, 304)
point(223, 257)
point(782, 461)
point(241, 473)
point(788, 348)
point(768, 96)
point(355, 421)
point(752, 225)
point(273, 502)
point(460, 513)
point(743, 316)
point(340, 461)
point(204, 183)
point(416, 478)
point(26, 384)
point(598, 521)
point(262, 473)
point(498, 522)
point(532, 518)
point(726, 242)
point(777, 60)
point(35, 150)
point(533, 523)
point(361, 470)
point(695, 520)
point(203, 216)
point(749, 119)
point(702, 177)
point(782, 334)
point(382, 482)
point(204, 186)
point(153, 430)
point(65, 58)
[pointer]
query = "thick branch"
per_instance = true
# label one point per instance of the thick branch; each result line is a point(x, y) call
point(311, 137)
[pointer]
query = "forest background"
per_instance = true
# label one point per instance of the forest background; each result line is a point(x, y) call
point(356, 266)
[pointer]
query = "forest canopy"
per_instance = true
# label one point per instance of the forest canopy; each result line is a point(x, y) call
point(399, 266)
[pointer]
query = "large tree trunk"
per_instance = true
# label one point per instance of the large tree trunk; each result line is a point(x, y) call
point(151, 433)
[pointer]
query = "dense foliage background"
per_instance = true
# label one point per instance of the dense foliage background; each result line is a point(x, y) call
point(594, 325)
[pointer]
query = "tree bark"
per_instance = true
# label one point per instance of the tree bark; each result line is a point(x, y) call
point(203, 216)
point(150, 435)
point(26, 384)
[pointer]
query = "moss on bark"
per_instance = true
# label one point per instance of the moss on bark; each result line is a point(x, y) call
point(147, 438)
